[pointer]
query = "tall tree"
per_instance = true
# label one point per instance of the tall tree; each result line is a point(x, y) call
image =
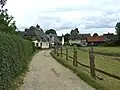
point(95, 34)
point(2, 3)
point(52, 31)
point(66, 37)
point(117, 27)
point(6, 22)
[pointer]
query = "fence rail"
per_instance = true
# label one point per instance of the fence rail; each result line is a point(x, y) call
point(91, 58)
point(103, 53)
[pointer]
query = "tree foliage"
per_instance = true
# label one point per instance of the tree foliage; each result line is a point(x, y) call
point(66, 37)
point(6, 21)
point(52, 31)
point(117, 27)
point(15, 55)
point(95, 34)
point(2, 3)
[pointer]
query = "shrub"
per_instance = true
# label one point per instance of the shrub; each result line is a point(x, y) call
point(14, 58)
point(111, 44)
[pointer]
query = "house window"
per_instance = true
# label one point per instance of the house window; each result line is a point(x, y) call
point(37, 44)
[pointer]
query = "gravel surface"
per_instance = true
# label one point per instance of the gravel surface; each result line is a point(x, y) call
point(47, 74)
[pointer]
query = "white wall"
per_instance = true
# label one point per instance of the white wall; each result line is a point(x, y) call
point(75, 42)
point(45, 45)
point(41, 44)
point(35, 42)
point(62, 40)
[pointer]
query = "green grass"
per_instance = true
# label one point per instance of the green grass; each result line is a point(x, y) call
point(105, 49)
point(106, 63)
point(79, 71)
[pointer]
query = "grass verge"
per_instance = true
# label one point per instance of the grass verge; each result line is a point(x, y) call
point(79, 72)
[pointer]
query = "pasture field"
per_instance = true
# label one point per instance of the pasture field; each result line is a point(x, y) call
point(104, 49)
point(110, 64)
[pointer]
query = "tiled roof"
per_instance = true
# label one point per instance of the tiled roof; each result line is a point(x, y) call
point(96, 39)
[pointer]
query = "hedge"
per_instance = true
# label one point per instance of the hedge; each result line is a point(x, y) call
point(15, 54)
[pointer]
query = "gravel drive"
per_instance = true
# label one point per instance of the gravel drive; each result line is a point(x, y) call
point(47, 74)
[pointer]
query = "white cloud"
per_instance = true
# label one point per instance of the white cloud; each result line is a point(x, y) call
point(88, 15)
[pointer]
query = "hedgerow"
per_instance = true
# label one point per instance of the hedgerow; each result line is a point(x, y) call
point(15, 54)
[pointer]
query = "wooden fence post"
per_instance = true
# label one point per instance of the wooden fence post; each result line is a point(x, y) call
point(92, 62)
point(54, 50)
point(73, 56)
point(57, 50)
point(61, 51)
point(66, 53)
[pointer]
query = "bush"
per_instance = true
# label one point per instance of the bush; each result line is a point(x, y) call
point(14, 58)
point(111, 44)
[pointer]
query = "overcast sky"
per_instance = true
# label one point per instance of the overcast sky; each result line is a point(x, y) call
point(89, 16)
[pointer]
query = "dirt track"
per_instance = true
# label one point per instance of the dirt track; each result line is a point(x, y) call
point(47, 74)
